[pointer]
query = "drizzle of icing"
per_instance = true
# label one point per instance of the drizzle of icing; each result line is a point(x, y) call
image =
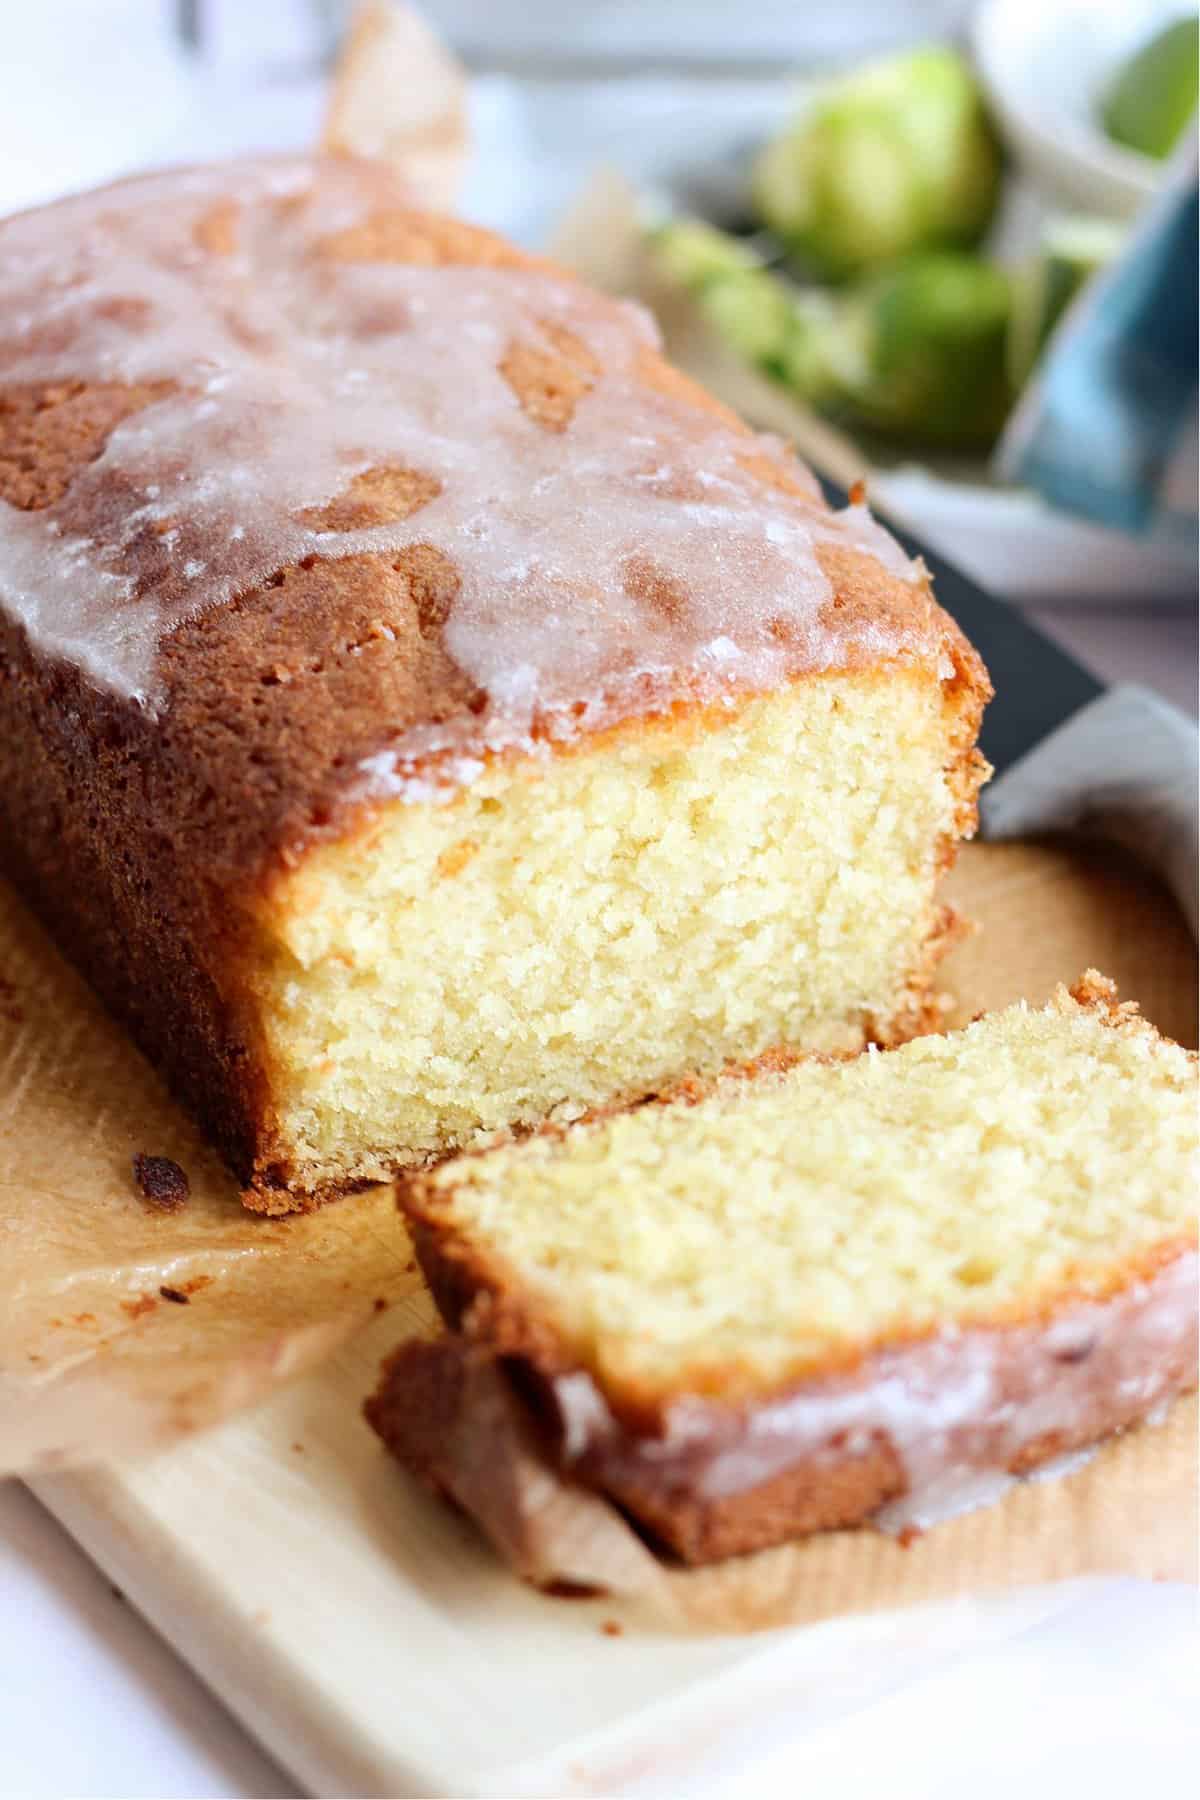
point(958, 1409)
point(294, 369)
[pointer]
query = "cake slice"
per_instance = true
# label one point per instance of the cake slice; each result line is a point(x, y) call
point(805, 1297)
point(423, 712)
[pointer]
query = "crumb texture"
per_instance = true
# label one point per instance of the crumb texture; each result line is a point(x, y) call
point(163, 1184)
point(607, 922)
point(787, 1223)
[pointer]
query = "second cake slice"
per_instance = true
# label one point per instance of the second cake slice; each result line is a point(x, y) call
point(781, 1302)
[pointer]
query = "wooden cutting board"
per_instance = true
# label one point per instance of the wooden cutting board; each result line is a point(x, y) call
point(374, 1645)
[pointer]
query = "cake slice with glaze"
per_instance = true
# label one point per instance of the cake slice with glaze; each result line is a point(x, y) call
point(422, 711)
point(804, 1298)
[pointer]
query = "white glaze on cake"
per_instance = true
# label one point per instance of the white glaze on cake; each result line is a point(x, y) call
point(294, 371)
point(958, 1409)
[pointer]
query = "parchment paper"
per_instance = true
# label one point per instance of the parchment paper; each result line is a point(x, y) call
point(94, 1361)
point(95, 1364)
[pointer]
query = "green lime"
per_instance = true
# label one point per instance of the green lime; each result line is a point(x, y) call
point(753, 312)
point(923, 350)
point(1154, 95)
point(692, 253)
point(896, 156)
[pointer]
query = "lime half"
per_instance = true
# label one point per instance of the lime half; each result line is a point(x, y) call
point(1154, 94)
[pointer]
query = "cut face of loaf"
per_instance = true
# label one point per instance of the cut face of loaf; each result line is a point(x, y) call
point(424, 713)
point(595, 925)
point(783, 1302)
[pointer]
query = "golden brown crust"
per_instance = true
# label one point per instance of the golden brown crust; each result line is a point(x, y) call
point(792, 1505)
point(147, 841)
point(1097, 994)
point(49, 431)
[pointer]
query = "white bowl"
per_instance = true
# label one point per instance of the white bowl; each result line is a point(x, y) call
point(1045, 65)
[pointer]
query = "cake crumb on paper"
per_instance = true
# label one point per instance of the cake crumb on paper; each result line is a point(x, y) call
point(162, 1182)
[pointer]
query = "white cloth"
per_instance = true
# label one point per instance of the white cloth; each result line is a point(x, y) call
point(1124, 770)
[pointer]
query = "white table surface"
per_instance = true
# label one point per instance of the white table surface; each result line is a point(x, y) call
point(93, 1703)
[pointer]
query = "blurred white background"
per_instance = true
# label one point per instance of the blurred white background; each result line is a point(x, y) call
point(755, 35)
point(103, 86)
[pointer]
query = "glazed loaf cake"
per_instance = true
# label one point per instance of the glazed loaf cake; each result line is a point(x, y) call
point(422, 710)
point(801, 1299)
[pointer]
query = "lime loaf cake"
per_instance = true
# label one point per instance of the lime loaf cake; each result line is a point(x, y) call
point(422, 710)
point(803, 1298)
